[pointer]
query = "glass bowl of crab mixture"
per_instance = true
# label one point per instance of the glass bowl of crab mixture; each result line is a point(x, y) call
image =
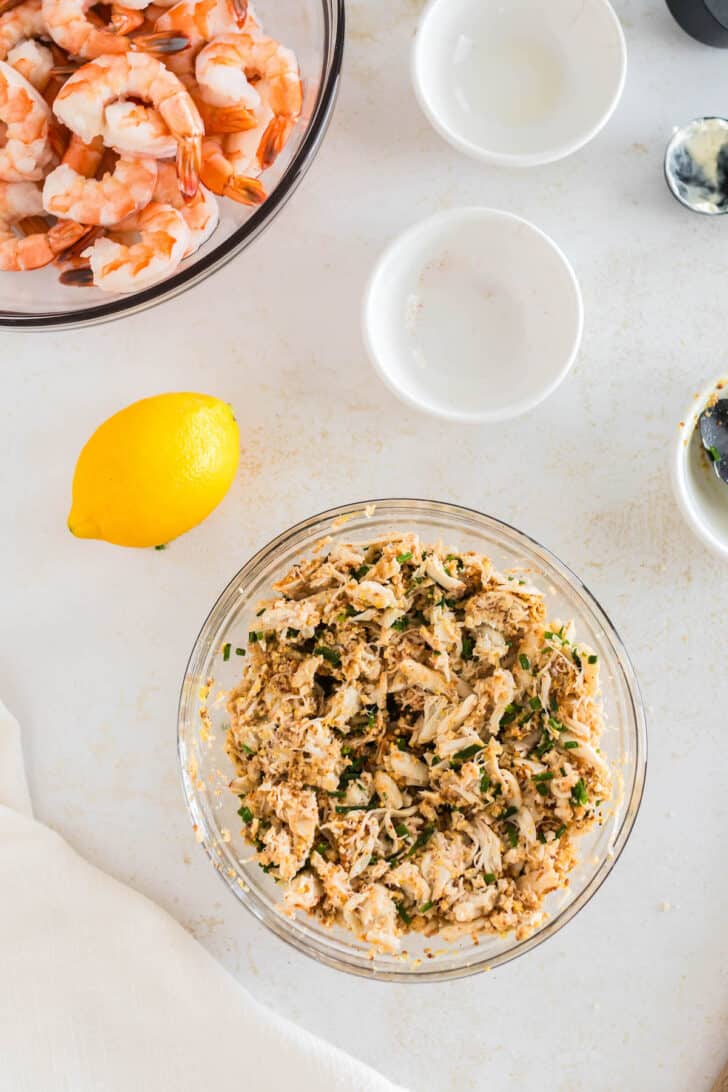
point(314, 30)
point(422, 752)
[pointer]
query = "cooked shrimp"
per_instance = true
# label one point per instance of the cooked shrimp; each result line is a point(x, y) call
point(224, 68)
point(69, 25)
point(27, 152)
point(201, 212)
point(219, 176)
point(127, 267)
point(241, 148)
point(200, 21)
point(22, 24)
point(22, 201)
point(129, 187)
point(34, 61)
point(134, 129)
point(82, 102)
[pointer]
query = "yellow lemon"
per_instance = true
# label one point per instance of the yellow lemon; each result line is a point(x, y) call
point(154, 470)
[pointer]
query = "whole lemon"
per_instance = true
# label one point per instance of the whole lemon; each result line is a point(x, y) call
point(154, 470)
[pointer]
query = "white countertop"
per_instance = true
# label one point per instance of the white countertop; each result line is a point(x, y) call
point(632, 994)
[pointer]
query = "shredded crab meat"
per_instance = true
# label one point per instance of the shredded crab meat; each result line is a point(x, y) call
point(416, 747)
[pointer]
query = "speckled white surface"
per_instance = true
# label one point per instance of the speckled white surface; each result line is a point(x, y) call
point(632, 995)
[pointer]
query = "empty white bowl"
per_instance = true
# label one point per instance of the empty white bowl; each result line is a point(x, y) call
point(519, 82)
point(473, 315)
point(702, 497)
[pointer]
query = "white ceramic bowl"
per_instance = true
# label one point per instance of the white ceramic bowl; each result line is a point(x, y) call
point(702, 497)
point(473, 315)
point(522, 82)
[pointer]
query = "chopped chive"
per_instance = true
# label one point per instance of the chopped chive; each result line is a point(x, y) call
point(421, 840)
point(556, 725)
point(371, 716)
point(162, 546)
point(484, 783)
point(535, 703)
point(508, 812)
point(226, 651)
point(467, 648)
point(512, 833)
point(403, 913)
point(245, 814)
point(561, 831)
point(593, 659)
point(579, 794)
point(577, 658)
point(570, 744)
point(329, 654)
point(401, 829)
point(548, 635)
point(466, 753)
point(321, 847)
point(553, 704)
point(291, 633)
point(524, 661)
point(261, 611)
point(401, 558)
point(489, 877)
point(239, 651)
point(402, 744)
point(400, 624)
point(541, 837)
point(542, 788)
point(361, 572)
point(428, 906)
point(248, 750)
point(509, 715)
point(548, 776)
point(545, 745)
point(344, 810)
point(253, 637)
point(714, 454)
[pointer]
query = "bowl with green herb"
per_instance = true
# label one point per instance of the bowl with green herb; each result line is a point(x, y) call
point(411, 741)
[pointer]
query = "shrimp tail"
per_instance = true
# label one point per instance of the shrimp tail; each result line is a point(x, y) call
point(226, 119)
point(65, 234)
point(189, 156)
point(78, 276)
point(161, 42)
point(274, 140)
point(240, 8)
point(33, 225)
point(58, 137)
point(246, 191)
point(124, 20)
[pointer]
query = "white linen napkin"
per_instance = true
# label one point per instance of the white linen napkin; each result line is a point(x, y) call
point(102, 991)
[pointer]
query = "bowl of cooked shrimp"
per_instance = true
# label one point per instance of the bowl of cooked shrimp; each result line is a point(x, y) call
point(144, 145)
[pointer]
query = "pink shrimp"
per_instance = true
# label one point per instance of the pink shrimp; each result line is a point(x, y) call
point(224, 68)
point(201, 213)
point(22, 201)
point(199, 21)
point(218, 175)
point(72, 194)
point(119, 266)
point(27, 153)
point(70, 25)
point(82, 101)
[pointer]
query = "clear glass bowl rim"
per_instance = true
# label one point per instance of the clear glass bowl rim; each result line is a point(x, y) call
point(278, 924)
point(332, 53)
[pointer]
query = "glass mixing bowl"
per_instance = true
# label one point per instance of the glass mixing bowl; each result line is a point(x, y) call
point(206, 770)
point(314, 29)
